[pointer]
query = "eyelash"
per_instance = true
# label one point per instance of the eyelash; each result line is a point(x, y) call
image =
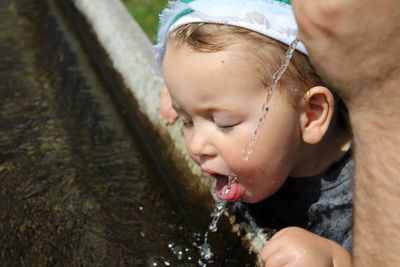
point(186, 123)
point(223, 129)
point(226, 129)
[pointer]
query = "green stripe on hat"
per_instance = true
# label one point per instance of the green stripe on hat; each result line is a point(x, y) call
point(182, 13)
point(178, 16)
point(283, 1)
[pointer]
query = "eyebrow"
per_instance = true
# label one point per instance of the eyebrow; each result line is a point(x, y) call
point(202, 110)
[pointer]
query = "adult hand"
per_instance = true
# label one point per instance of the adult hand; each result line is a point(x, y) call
point(354, 45)
point(296, 247)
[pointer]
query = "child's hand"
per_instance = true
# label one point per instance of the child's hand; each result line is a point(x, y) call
point(296, 247)
point(167, 112)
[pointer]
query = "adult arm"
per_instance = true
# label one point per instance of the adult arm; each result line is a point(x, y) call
point(355, 47)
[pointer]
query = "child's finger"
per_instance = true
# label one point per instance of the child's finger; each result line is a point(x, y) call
point(278, 234)
point(273, 245)
point(277, 259)
point(271, 250)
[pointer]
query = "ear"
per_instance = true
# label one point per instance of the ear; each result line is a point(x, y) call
point(317, 114)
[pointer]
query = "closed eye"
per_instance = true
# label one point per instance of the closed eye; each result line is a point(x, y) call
point(226, 129)
point(186, 122)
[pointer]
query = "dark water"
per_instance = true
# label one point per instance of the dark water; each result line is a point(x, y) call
point(76, 188)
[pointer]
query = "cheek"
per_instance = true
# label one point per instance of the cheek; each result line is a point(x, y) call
point(234, 146)
point(272, 157)
point(259, 179)
point(186, 137)
point(240, 165)
point(233, 151)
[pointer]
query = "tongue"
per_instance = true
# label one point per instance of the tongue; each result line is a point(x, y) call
point(232, 193)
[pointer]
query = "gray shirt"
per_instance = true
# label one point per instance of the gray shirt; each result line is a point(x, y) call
point(321, 204)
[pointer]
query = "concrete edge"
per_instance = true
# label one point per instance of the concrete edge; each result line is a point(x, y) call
point(131, 54)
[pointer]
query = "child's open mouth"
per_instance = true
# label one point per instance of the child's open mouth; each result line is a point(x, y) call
point(227, 188)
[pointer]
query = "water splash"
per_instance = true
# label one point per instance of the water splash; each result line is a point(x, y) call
point(181, 252)
point(249, 148)
point(205, 249)
point(204, 253)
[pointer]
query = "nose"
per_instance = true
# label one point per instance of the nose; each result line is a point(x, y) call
point(200, 145)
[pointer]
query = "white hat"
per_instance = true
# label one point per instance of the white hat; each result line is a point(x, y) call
point(272, 18)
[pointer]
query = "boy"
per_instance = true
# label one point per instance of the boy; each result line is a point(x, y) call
point(218, 59)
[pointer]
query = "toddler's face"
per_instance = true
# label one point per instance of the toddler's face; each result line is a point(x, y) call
point(218, 97)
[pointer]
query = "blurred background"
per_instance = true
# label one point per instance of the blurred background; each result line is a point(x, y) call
point(146, 13)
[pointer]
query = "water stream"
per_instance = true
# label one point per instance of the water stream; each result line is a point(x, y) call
point(249, 148)
point(205, 249)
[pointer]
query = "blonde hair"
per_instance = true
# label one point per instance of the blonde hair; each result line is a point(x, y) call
point(267, 53)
